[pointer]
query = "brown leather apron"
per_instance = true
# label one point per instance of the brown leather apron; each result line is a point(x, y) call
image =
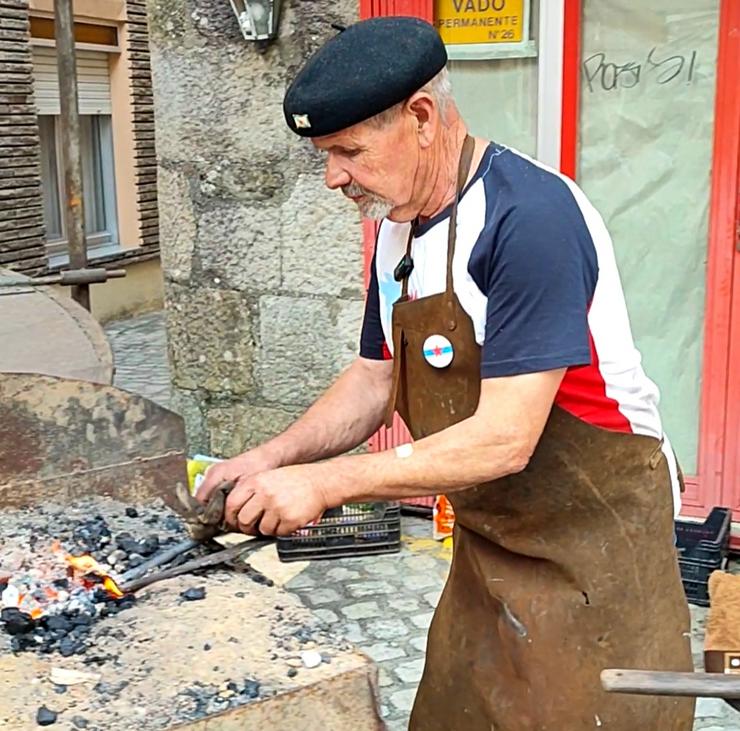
point(558, 572)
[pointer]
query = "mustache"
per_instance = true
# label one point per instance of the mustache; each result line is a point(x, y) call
point(354, 190)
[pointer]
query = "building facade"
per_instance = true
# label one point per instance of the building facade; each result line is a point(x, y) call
point(262, 264)
point(117, 146)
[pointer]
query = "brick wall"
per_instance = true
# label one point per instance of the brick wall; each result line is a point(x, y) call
point(143, 108)
point(21, 212)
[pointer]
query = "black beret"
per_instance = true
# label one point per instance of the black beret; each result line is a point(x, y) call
point(362, 71)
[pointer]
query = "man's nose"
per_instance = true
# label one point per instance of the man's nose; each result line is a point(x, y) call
point(335, 176)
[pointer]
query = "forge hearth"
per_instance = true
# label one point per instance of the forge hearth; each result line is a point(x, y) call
point(220, 650)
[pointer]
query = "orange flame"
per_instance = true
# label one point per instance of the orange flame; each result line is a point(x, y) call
point(86, 564)
point(112, 587)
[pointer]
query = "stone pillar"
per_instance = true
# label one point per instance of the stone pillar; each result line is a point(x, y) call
point(262, 264)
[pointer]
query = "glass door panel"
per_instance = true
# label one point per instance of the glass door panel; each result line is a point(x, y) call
point(647, 101)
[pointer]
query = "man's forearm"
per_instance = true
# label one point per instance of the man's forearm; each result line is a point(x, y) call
point(346, 415)
point(446, 462)
point(497, 440)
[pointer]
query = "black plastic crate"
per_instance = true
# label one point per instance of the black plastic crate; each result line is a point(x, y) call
point(697, 592)
point(352, 530)
point(702, 548)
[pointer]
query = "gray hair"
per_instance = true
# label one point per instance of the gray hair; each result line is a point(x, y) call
point(438, 87)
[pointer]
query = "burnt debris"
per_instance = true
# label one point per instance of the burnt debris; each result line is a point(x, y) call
point(45, 716)
point(194, 594)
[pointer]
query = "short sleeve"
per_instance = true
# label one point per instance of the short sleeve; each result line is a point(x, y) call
point(540, 271)
point(372, 338)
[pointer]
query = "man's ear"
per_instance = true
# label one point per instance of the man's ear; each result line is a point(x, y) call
point(424, 110)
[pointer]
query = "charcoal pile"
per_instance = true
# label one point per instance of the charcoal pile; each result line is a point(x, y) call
point(78, 656)
point(58, 569)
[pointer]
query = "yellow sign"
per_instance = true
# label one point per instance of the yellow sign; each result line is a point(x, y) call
point(479, 21)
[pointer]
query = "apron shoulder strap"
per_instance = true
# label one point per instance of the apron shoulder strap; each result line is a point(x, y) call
point(463, 171)
point(405, 266)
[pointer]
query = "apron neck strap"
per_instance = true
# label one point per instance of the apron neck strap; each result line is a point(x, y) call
point(463, 170)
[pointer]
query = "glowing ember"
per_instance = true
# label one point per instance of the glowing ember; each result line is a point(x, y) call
point(87, 565)
point(39, 593)
point(111, 587)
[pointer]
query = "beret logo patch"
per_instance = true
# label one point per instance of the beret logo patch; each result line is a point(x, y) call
point(301, 121)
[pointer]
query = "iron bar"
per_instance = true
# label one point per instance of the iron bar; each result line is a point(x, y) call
point(159, 559)
point(693, 685)
point(69, 277)
point(70, 127)
point(212, 559)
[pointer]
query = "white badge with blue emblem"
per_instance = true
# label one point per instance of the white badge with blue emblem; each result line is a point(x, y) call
point(438, 351)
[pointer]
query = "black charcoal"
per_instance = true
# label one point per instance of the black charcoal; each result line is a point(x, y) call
point(149, 545)
point(16, 622)
point(45, 717)
point(251, 689)
point(57, 623)
point(194, 594)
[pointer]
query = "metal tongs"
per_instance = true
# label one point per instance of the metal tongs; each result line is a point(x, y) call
point(203, 523)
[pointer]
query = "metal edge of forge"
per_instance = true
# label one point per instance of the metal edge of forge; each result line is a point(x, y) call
point(349, 700)
point(62, 439)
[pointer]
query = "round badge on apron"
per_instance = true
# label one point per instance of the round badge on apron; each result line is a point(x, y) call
point(438, 351)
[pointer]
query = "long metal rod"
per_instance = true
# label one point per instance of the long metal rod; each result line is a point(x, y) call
point(212, 559)
point(159, 559)
point(70, 122)
point(69, 277)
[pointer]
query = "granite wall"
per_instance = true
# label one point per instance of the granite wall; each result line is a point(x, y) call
point(262, 264)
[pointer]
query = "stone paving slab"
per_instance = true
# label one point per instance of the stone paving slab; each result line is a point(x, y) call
point(383, 604)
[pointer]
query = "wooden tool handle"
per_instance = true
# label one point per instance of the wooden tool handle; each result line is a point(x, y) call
point(651, 682)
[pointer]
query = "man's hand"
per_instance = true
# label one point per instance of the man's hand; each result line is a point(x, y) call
point(236, 470)
point(277, 502)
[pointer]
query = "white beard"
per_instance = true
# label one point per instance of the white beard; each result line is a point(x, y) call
point(371, 206)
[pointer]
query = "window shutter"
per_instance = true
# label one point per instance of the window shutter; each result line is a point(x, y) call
point(93, 81)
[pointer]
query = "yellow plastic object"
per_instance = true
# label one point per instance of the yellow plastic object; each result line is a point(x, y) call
point(197, 468)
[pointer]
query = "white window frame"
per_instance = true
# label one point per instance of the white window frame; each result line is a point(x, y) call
point(99, 243)
point(550, 82)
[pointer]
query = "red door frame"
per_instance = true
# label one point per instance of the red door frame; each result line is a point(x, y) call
point(718, 478)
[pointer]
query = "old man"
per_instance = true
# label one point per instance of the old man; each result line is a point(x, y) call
point(496, 326)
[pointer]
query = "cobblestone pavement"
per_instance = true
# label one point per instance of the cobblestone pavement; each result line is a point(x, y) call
point(139, 347)
point(383, 604)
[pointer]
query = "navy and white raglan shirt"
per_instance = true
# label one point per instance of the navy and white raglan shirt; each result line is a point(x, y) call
point(534, 268)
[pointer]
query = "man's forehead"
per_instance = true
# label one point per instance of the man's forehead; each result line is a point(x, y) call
point(350, 137)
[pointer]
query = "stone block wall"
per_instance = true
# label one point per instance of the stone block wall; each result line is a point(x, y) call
point(262, 264)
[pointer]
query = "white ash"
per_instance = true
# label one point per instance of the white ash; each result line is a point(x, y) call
point(154, 657)
point(36, 583)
